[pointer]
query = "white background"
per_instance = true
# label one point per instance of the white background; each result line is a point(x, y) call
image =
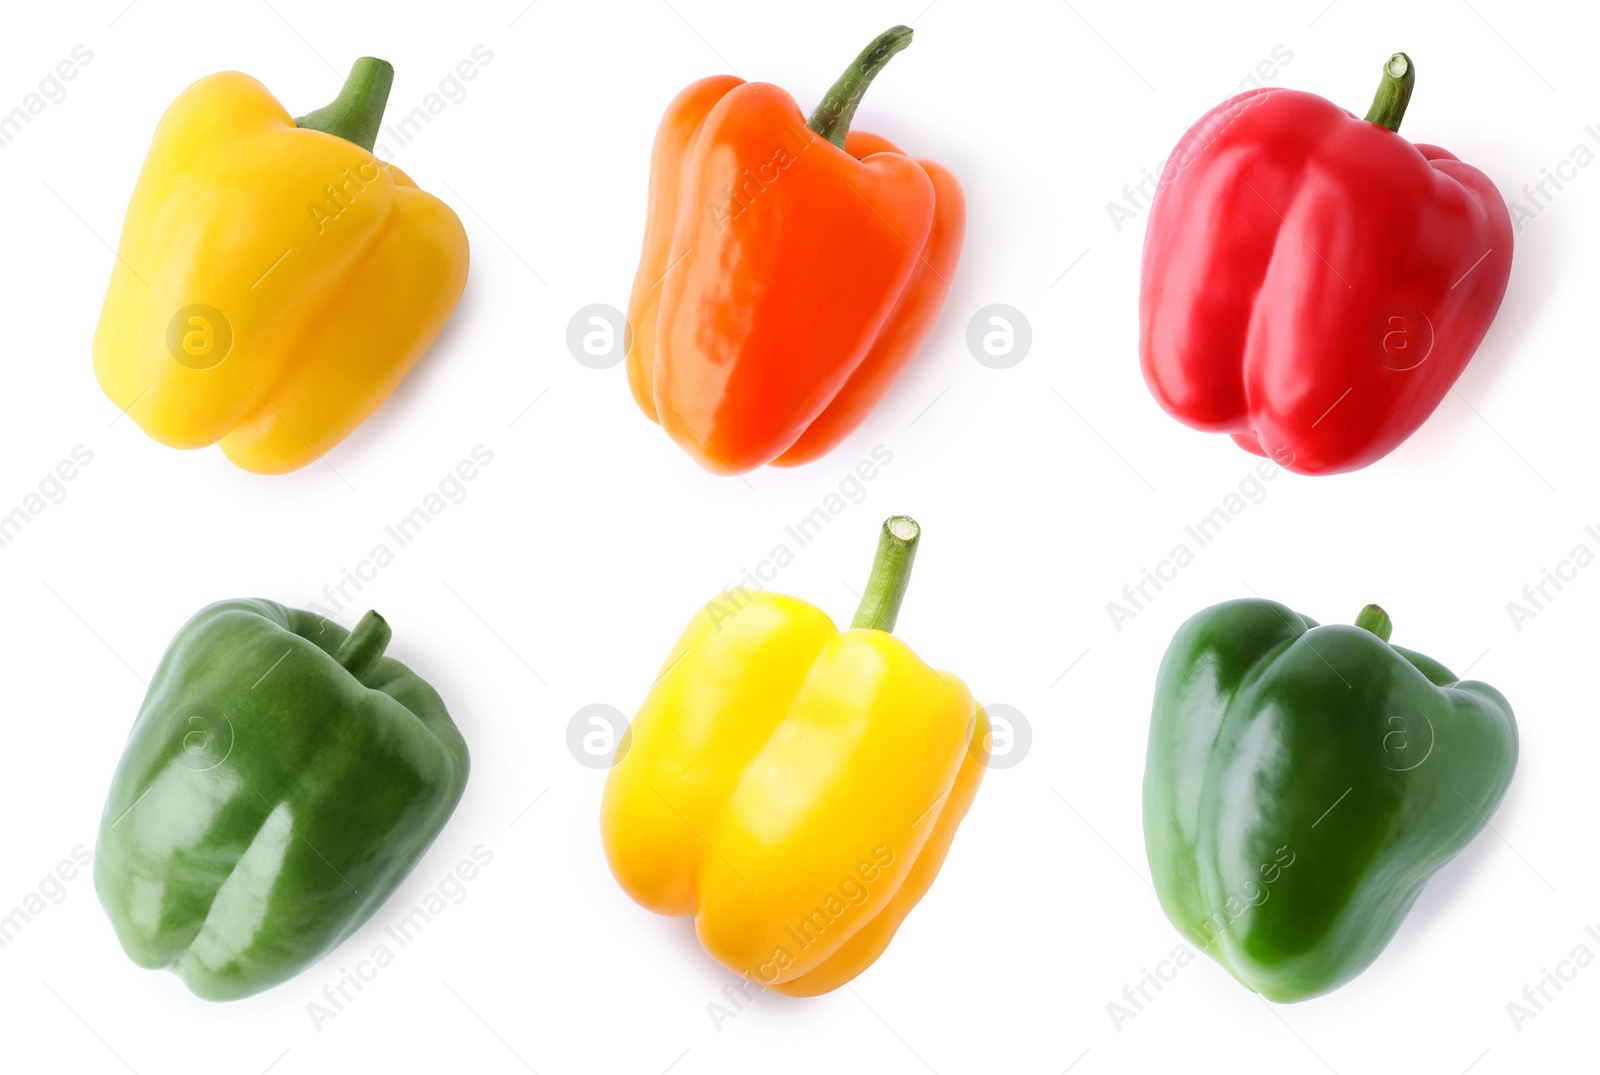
point(566, 573)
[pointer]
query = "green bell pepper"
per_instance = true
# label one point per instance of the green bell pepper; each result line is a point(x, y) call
point(281, 780)
point(1303, 783)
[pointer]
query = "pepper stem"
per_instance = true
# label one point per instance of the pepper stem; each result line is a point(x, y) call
point(1394, 92)
point(891, 574)
point(357, 112)
point(832, 117)
point(363, 647)
point(1374, 619)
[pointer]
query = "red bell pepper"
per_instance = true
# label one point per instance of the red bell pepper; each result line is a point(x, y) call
point(1313, 283)
point(790, 270)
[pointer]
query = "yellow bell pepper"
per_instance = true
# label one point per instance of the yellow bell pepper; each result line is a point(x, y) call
point(275, 281)
point(793, 787)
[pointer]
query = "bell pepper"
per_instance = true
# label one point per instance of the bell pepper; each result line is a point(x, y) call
point(1313, 283)
point(792, 787)
point(1303, 783)
point(275, 281)
point(281, 780)
point(790, 270)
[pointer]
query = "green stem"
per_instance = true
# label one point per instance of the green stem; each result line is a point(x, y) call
point(1394, 92)
point(1374, 619)
point(832, 117)
point(891, 574)
point(363, 647)
point(357, 112)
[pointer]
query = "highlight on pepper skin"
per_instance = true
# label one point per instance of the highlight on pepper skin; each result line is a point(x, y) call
point(1312, 282)
point(306, 281)
point(791, 269)
point(1303, 783)
point(793, 787)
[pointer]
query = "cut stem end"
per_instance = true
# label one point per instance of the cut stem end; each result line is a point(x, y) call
point(1394, 92)
point(357, 113)
point(1373, 618)
point(891, 574)
point(363, 647)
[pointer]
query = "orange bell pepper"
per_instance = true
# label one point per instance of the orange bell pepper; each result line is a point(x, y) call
point(790, 270)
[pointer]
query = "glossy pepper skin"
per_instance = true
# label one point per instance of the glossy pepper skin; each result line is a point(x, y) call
point(792, 787)
point(282, 779)
point(786, 279)
point(274, 281)
point(1313, 283)
point(1302, 785)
